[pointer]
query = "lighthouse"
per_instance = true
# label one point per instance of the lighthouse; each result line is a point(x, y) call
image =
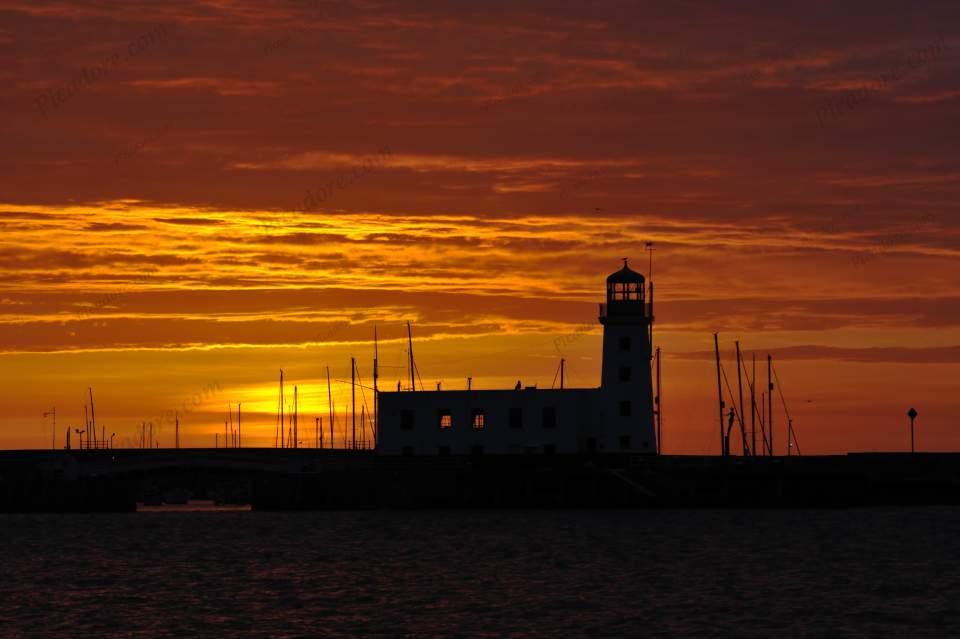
point(626, 384)
point(616, 418)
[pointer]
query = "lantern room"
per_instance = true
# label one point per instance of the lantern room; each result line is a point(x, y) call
point(626, 293)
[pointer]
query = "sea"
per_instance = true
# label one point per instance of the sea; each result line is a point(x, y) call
point(631, 573)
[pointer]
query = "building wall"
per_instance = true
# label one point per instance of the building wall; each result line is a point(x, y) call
point(574, 412)
point(637, 388)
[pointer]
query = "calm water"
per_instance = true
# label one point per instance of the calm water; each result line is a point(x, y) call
point(425, 574)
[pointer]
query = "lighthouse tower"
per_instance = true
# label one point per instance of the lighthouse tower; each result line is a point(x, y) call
point(626, 387)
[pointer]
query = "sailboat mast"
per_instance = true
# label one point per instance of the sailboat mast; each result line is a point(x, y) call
point(353, 396)
point(753, 407)
point(330, 407)
point(93, 419)
point(376, 392)
point(770, 400)
point(413, 385)
point(716, 344)
point(659, 407)
point(743, 429)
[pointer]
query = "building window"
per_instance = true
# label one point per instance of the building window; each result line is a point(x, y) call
point(625, 442)
point(407, 451)
point(549, 417)
point(625, 408)
point(406, 420)
point(516, 417)
point(479, 419)
point(624, 343)
point(549, 449)
point(445, 419)
point(444, 451)
point(625, 374)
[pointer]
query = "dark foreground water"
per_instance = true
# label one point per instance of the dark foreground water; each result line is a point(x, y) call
point(426, 574)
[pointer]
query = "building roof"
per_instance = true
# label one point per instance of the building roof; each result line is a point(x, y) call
point(526, 391)
point(625, 275)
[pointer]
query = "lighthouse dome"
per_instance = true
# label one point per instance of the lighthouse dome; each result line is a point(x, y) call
point(626, 275)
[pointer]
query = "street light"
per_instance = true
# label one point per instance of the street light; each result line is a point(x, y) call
point(912, 414)
point(80, 432)
point(112, 435)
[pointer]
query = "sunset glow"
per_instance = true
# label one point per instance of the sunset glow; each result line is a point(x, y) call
point(256, 187)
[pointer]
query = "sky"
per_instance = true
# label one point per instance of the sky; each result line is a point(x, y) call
point(194, 195)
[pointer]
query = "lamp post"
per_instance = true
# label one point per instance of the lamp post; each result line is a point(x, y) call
point(80, 432)
point(112, 435)
point(912, 414)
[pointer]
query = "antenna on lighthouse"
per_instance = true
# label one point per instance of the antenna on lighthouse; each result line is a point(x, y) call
point(649, 248)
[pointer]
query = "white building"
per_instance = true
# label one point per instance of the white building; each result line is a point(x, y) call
point(616, 417)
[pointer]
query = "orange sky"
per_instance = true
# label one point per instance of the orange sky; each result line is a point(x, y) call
point(196, 194)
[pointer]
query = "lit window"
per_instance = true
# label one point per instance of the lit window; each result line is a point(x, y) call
point(446, 419)
point(479, 419)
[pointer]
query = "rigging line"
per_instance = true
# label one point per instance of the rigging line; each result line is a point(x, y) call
point(555, 376)
point(363, 405)
point(786, 411)
point(763, 430)
point(363, 397)
point(347, 381)
point(733, 404)
point(417, 370)
point(756, 410)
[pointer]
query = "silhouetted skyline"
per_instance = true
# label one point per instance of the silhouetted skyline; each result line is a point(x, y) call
point(196, 196)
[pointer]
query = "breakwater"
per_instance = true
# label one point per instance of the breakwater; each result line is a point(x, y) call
point(310, 479)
